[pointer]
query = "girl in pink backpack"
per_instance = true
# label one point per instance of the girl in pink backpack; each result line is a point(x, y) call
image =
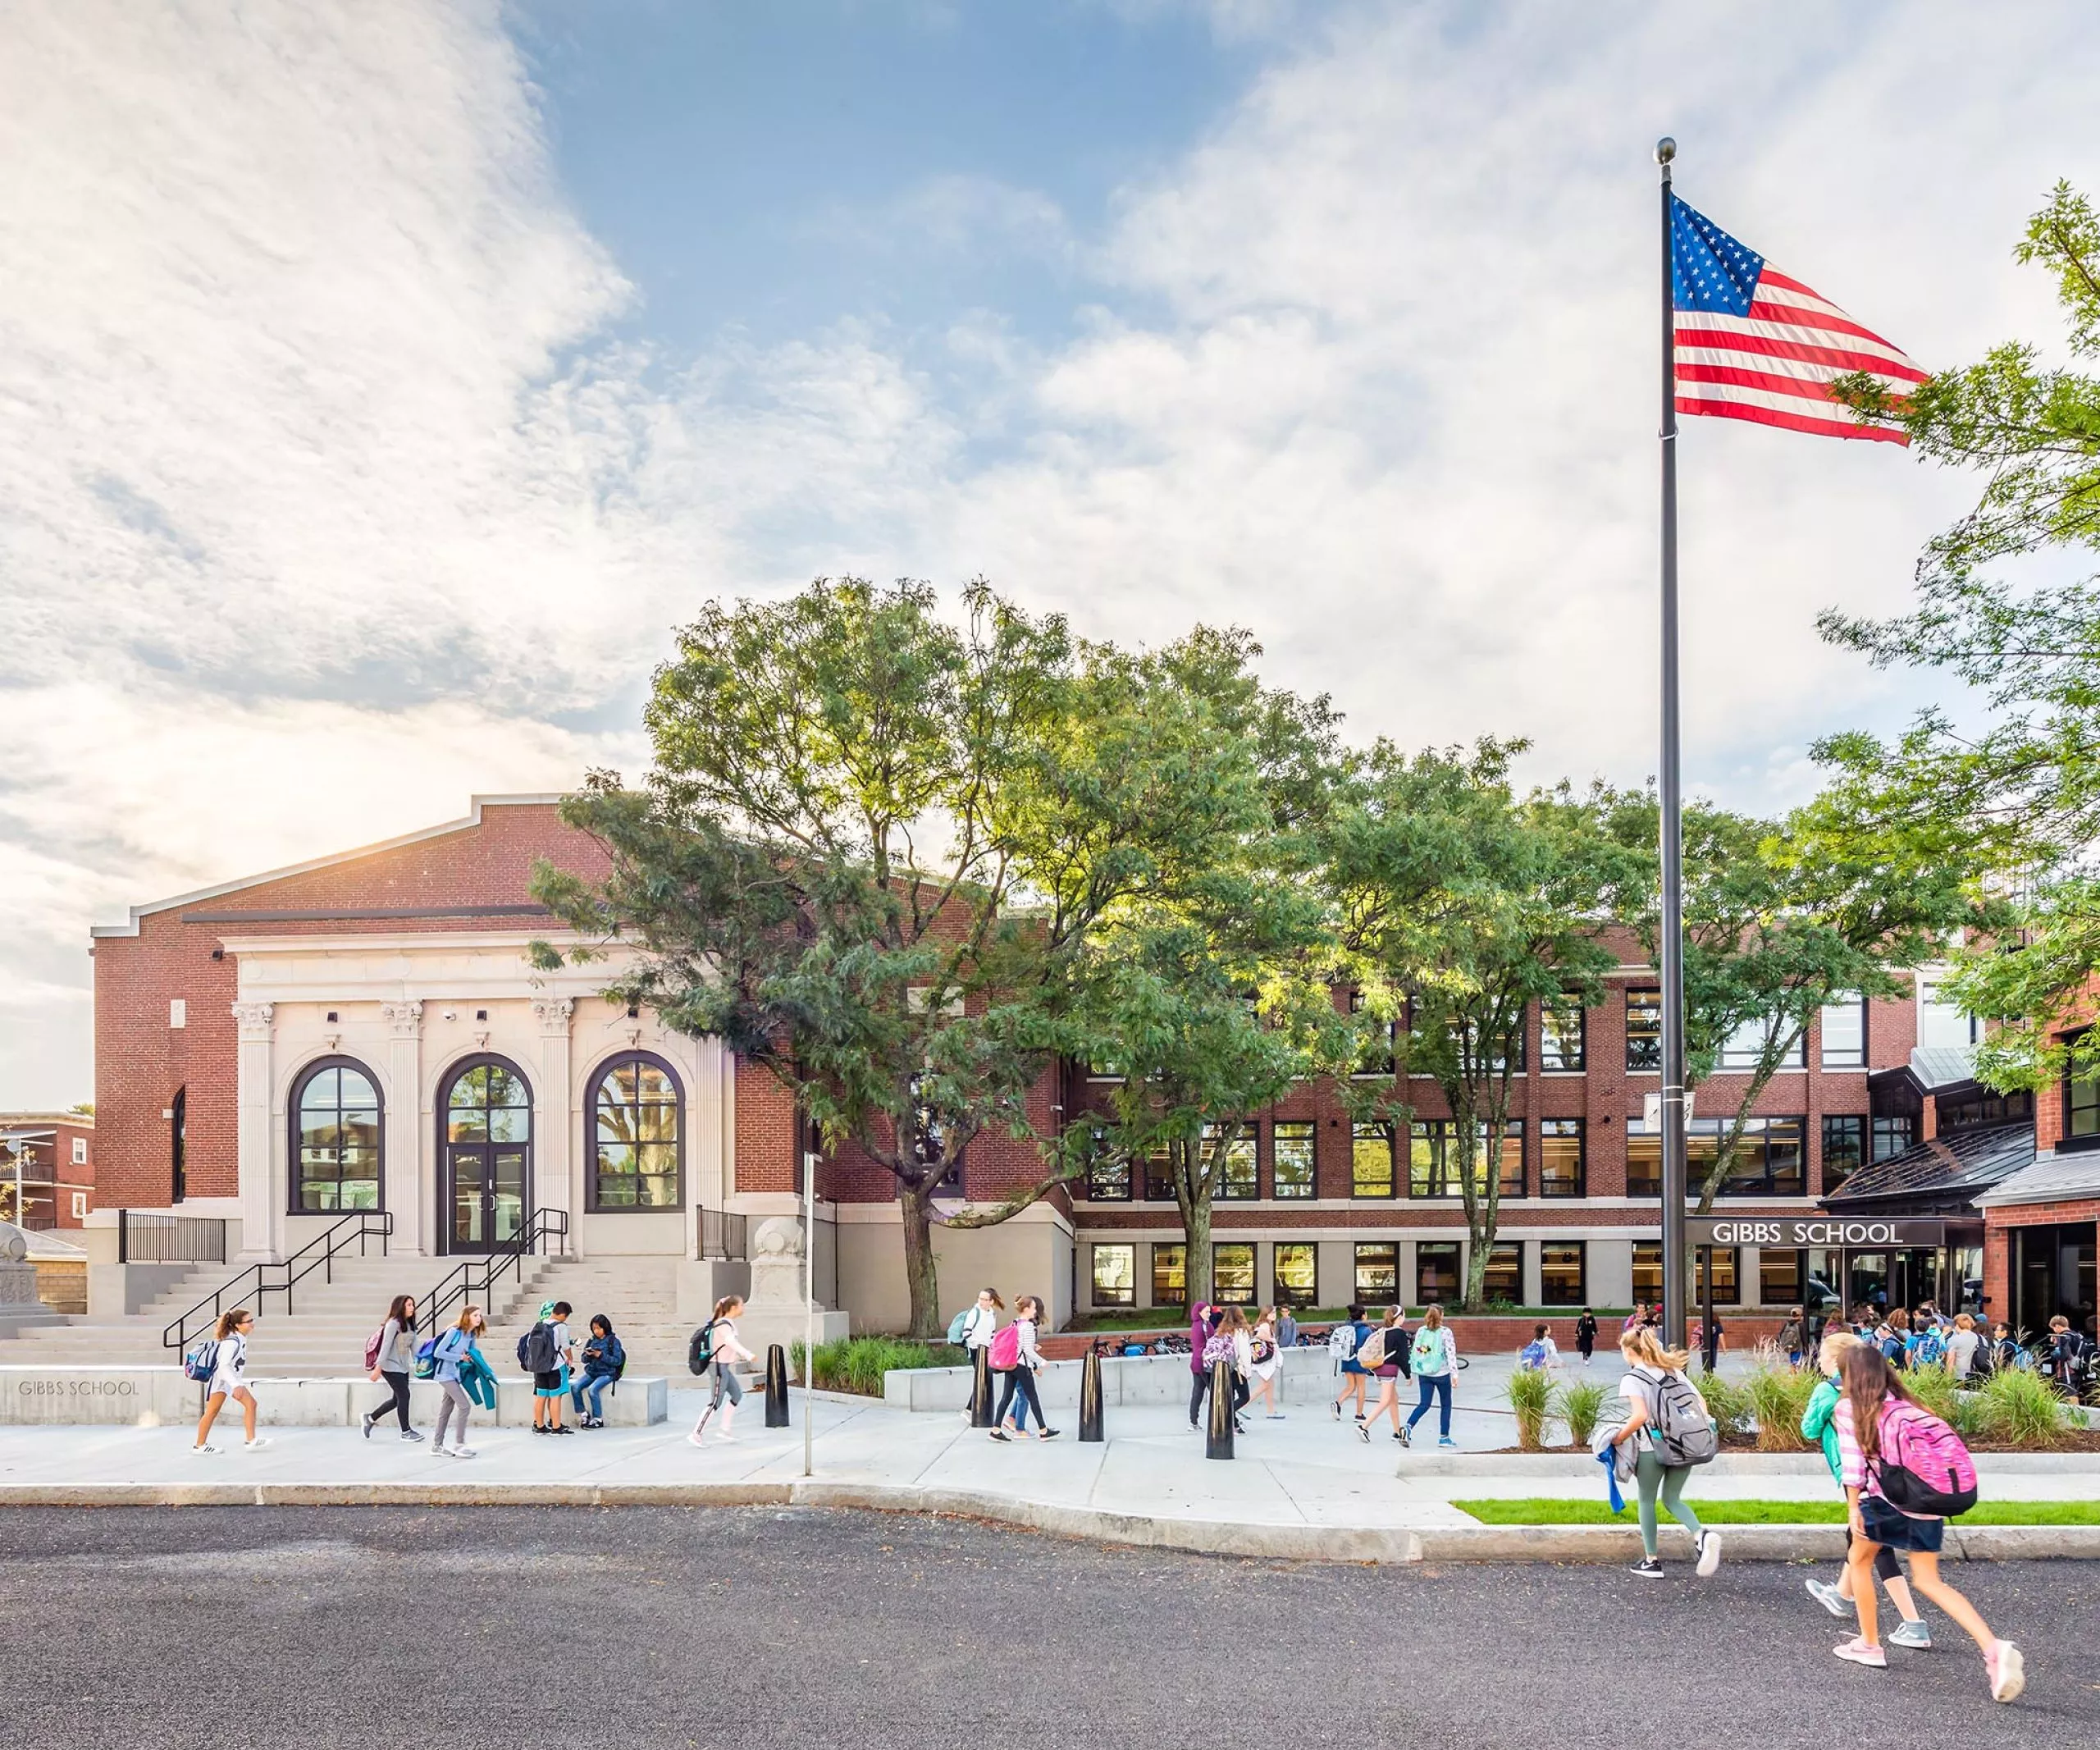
point(1014, 1354)
point(1891, 1450)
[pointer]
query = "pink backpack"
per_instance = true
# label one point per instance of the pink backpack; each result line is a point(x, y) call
point(1005, 1348)
point(1924, 1469)
point(371, 1348)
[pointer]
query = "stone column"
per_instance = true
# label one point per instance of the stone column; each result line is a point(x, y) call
point(411, 1134)
point(557, 1168)
point(261, 1200)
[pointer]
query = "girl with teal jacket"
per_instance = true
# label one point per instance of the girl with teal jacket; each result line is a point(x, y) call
point(1820, 1423)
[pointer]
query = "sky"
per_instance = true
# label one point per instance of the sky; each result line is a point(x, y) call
point(382, 382)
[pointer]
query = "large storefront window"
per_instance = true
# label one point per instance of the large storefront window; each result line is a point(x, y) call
point(1377, 1273)
point(1115, 1276)
point(1726, 1287)
point(1435, 1272)
point(1647, 1272)
point(1371, 1160)
point(1297, 1274)
point(1290, 1141)
point(1504, 1283)
point(634, 1106)
point(1170, 1274)
point(1779, 1277)
point(336, 1139)
point(1232, 1274)
point(1561, 1273)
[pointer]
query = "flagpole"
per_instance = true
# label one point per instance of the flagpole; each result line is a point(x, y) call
point(1672, 825)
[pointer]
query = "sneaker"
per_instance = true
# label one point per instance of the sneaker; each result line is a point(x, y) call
point(561, 1428)
point(1914, 1634)
point(1047, 1433)
point(1830, 1598)
point(693, 1439)
point(204, 1451)
point(2007, 1669)
point(410, 1435)
point(1275, 1415)
point(1336, 1406)
point(1857, 1651)
point(1709, 1555)
point(1363, 1431)
point(1648, 1568)
point(1447, 1440)
point(366, 1422)
point(1404, 1434)
point(1002, 1435)
point(255, 1446)
point(462, 1452)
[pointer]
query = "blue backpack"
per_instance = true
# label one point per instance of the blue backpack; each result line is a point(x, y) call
point(202, 1362)
point(426, 1358)
point(1533, 1356)
point(1929, 1348)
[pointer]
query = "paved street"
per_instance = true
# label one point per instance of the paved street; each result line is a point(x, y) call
point(641, 1628)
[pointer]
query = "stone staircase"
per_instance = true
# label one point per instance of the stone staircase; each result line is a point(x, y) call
point(638, 1295)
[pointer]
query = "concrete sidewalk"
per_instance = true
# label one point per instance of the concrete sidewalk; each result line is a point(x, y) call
point(1304, 1487)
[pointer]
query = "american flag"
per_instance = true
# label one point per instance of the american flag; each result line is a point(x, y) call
point(1752, 344)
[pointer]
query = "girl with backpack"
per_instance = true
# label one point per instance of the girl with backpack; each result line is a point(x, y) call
point(1385, 1358)
point(1651, 1369)
point(392, 1357)
point(1265, 1361)
point(1820, 1423)
point(1436, 1360)
point(456, 1353)
point(1202, 1325)
point(230, 1380)
point(605, 1359)
point(724, 1352)
point(1886, 1441)
point(1353, 1374)
point(1014, 1354)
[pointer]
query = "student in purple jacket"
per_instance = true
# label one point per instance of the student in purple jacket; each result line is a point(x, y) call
point(1203, 1321)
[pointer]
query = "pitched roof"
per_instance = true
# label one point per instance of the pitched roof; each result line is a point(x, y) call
point(1967, 1160)
point(2059, 1179)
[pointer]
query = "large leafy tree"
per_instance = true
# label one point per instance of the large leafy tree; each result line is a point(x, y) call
point(2001, 607)
point(871, 852)
point(1462, 905)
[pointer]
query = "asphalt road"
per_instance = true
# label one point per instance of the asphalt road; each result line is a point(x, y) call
point(753, 1628)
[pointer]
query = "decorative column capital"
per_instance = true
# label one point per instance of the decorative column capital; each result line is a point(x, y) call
point(404, 1020)
point(554, 1013)
point(254, 1019)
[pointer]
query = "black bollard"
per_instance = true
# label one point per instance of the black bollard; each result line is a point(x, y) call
point(1219, 1443)
point(1090, 1399)
point(982, 1404)
point(776, 1386)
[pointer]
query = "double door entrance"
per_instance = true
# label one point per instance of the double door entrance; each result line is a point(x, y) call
point(487, 1148)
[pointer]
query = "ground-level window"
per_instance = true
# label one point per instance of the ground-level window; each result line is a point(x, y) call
point(636, 1109)
point(1170, 1274)
point(1560, 1158)
point(1505, 1273)
point(335, 1138)
point(1115, 1276)
point(1844, 1148)
point(1232, 1274)
point(1779, 1277)
point(1291, 1150)
point(1297, 1274)
point(1377, 1273)
point(1727, 1286)
point(1435, 1272)
point(1371, 1160)
point(1242, 1179)
point(1647, 1271)
point(1561, 1274)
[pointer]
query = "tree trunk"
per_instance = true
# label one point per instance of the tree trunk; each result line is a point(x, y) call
point(1192, 1185)
point(1479, 1231)
point(921, 1279)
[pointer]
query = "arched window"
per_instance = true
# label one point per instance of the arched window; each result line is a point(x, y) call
point(636, 1115)
point(488, 1116)
point(335, 1138)
point(178, 1142)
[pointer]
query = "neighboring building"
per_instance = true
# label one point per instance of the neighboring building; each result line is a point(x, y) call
point(51, 1156)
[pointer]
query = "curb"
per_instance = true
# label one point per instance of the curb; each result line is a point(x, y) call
point(1330, 1543)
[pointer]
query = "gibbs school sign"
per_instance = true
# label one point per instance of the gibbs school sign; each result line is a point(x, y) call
point(1785, 1231)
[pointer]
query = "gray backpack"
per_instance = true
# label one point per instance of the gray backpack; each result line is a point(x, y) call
point(1684, 1430)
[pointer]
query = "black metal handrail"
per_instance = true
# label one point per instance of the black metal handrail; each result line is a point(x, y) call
point(722, 1233)
point(144, 1236)
point(469, 1282)
point(317, 1254)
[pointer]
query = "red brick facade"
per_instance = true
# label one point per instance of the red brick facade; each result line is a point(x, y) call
point(57, 1156)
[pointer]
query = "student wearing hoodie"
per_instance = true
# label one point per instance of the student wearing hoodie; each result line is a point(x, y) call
point(1203, 1323)
point(604, 1357)
point(1820, 1423)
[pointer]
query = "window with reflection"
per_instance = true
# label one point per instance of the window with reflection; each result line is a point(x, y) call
point(1170, 1274)
point(636, 1112)
point(1560, 1158)
point(1505, 1282)
point(336, 1142)
point(1297, 1274)
point(1377, 1273)
point(1844, 1147)
point(1433, 1164)
point(1115, 1276)
point(1108, 1173)
point(1561, 1274)
point(1845, 1035)
point(1241, 1182)
point(1371, 1160)
point(1561, 1035)
point(1644, 1030)
point(1290, 1152)
point(1435, 1272)
point(1232, 1275)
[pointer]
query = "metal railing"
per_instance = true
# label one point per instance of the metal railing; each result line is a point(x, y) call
point(258, 1281)
point(470, 1282)
point(721, 1234)
point(144, 1237)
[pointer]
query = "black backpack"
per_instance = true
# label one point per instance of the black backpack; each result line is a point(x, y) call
point(699, 1353)
point(536, 1353)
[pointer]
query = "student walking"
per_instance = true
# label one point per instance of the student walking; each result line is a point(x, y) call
point(604, 1359)
point(1637, 1318)
point(977, 1323)
point(547, 1355)
point(230, 1380)
point(1436, 1360)
point(1014, 1354)
point(1386, 1357)
point(1203, 1326)
point(1286, 1328)
point(1585, 1335)
point(1961, 1347)
point(1234, 1342)
point(1820, 1423)
point(1791, 1338)
point(1264, 1362)
point(725, 1352)
point(456, 1354)
point(392, 1359)
point(1345, 1343)
point(1649, 1368)
point(1872, 1405)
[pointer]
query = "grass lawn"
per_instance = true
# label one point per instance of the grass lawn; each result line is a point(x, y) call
point(1548, 1510)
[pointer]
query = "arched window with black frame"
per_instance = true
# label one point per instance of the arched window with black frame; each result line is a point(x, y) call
point(336, 1139)
point(636, 1112)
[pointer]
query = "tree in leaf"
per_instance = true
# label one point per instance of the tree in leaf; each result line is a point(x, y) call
point(870, 856)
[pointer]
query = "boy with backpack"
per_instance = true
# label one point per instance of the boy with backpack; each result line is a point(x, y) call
point(544, 1353)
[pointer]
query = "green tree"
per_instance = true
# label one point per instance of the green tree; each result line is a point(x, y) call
point(871, 853)
point(1461, 905)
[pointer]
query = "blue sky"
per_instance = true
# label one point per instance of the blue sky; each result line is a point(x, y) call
point(386, 379)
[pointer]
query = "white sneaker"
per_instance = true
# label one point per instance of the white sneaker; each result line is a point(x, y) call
point(1709, 1555)
point(693, 1439)
point(2007, 1669)
point(255, 1446)
point(204, 1451)
point(462, 1452)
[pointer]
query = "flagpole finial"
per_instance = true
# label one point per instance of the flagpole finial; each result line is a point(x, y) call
point(1665, 150)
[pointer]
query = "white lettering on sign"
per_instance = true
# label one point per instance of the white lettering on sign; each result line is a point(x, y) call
point(1810, 1233)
